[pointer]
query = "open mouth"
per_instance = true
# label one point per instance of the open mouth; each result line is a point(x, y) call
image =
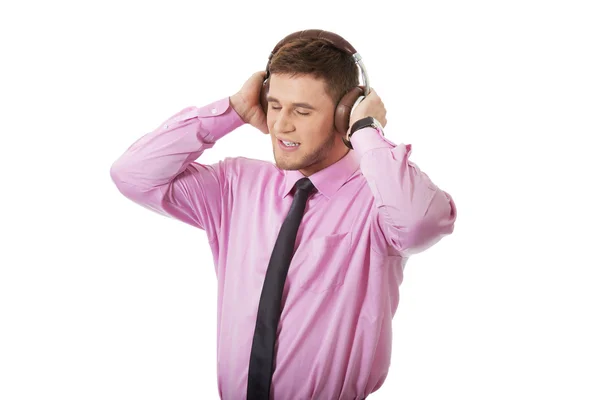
point(288, 145)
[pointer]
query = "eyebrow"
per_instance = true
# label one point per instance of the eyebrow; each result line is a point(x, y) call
point(303, 105)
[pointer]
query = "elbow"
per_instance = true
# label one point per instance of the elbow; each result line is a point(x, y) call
point(423, 233)
point(117, 171)
point(121, 177)
point(129, 179)
point(121, 174)
point(437, 223)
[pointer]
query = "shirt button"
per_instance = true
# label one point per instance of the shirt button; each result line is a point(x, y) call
point(214, 111)
point(166, 126)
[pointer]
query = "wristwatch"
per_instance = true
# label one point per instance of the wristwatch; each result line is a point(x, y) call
point(362, 123)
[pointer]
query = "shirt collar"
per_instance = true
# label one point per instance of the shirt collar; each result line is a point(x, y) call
point(328, 180)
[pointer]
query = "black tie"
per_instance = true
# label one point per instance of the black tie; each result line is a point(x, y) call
point(260, 370)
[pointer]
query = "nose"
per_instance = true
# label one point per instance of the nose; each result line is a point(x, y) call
point(283, 123)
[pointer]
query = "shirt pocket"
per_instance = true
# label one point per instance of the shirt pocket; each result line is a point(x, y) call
point(322, 262)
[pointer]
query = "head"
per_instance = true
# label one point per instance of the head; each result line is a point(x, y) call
point(308, 77)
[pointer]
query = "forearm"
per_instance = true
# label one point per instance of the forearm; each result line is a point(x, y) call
point(158, 157)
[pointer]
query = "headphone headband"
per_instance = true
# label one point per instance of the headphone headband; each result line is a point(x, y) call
point(333, 39)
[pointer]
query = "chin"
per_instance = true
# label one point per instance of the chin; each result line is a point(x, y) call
point(287, 164)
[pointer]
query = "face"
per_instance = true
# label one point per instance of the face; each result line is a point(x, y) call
point(301, 111)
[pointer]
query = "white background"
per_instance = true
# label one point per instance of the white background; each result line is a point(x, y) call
point(103, 299)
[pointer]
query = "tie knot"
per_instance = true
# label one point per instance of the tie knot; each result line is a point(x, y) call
point(305, 185)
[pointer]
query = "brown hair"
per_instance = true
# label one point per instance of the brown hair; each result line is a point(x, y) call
point(317, 57)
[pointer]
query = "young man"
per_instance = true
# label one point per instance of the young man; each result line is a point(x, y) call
point(367, 210)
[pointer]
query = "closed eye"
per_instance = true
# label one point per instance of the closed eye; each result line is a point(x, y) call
point(279, 108)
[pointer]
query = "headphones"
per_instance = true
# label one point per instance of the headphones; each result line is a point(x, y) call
point(350, 100)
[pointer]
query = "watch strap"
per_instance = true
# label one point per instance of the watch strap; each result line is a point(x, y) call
point(361, 123)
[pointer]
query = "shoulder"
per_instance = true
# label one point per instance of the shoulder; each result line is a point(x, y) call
point(244, 166)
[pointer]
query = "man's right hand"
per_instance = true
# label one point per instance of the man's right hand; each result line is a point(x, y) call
point(246, 102)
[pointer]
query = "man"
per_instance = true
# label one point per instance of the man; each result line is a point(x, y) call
point(367, 210)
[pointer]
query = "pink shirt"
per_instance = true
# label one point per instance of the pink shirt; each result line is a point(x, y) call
point(373, 209)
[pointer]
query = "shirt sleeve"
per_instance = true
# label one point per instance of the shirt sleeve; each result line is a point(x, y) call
point(411, 213)
point(159, 171)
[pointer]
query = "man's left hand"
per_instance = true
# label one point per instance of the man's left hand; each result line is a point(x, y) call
point(370, 106)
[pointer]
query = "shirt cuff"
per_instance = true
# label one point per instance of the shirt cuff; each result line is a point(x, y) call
point(218, 119)
point(367, 139)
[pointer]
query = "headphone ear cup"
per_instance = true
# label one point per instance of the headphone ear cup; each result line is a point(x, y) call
point(344, 108)
point(263, 95)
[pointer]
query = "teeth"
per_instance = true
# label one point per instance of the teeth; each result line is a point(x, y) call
point(290, 144)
